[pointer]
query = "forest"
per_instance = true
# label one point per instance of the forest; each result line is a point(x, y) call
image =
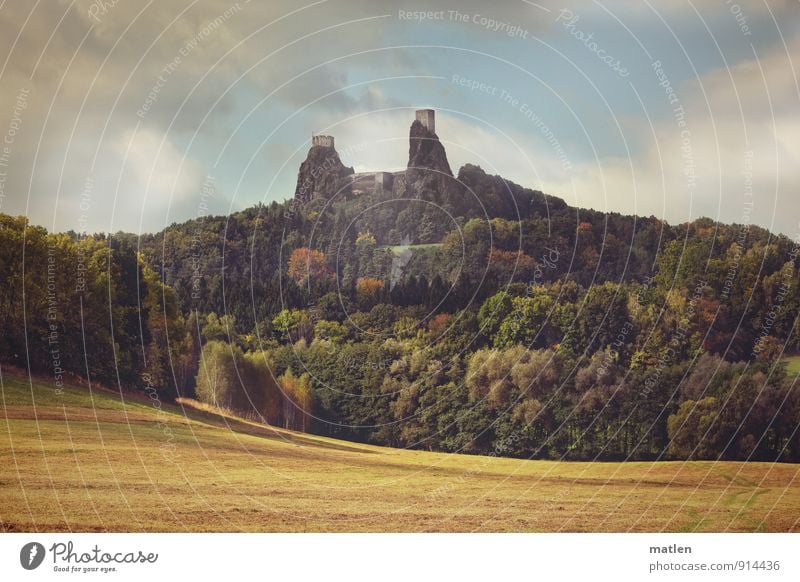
point(504, 322)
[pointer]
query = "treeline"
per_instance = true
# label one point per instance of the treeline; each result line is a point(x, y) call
point(541, 330)
point(526, 237)
point(89, 307)
point(560, 372)
point(616, 371)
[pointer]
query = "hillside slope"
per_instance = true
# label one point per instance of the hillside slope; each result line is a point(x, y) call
point(87, 461)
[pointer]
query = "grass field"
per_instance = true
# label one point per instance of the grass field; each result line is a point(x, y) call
point(86, 461)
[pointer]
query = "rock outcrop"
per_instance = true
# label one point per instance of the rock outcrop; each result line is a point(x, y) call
point(322, 175)
point(428, 175)
point(425, 151)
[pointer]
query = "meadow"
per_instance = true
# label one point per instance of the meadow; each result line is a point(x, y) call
point(96, 460)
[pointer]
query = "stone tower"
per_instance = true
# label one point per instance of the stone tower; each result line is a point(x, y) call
point(325, 141)
point(427, 117)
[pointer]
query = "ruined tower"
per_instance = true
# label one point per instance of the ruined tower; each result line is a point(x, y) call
point(428, 174)
point(325, 141)
point(427, 117)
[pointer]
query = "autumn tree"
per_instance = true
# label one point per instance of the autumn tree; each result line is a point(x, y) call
point(307, 265)
point(298, 400)
point(218, 380)
point(368, 291)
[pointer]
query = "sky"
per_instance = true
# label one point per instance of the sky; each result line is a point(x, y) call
point(122, 115)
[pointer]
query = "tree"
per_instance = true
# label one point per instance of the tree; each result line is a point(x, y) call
point(508, 266)
point(331, 330)
point(262, 387)
point(293, 325)
point(600, 318)
point(298, 400)
point(368, 291)
point(167, 336)
point(307, 265)
point(530, 322)
point(492, 313)
point(222, 329)
point(218, 381)
point(489, 375)
point(690, 430)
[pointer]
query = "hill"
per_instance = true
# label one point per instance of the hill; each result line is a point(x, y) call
point(422, 309)
point(95, 460)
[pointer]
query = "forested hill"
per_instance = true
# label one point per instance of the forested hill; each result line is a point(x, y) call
point(425, 309)
point(524, 237)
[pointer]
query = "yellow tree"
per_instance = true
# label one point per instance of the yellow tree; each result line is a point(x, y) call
point(298, 400)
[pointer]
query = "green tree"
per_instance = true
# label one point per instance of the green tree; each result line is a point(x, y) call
point(530, 322)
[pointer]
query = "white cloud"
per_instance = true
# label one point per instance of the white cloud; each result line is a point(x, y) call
point(654, 181)
point(154, 176)
point(379, 141)
point(140, 182)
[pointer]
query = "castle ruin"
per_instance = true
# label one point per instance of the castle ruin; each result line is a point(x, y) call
point(319, 177)
point(427, 117)
point(325, 141)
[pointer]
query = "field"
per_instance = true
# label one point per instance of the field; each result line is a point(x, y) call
point(89, 461)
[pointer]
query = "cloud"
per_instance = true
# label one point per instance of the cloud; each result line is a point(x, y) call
point(139, 181)
point(742, 127)
point(89, 72)
point(154, 177)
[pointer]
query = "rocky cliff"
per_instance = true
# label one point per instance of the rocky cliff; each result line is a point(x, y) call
point(322, 175)
point(428, 175)
point(425, 151)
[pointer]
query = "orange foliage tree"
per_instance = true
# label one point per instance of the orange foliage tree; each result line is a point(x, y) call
point(305, 264)
point(368, 291)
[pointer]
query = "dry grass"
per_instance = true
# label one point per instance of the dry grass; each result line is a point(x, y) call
point(89, 462)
